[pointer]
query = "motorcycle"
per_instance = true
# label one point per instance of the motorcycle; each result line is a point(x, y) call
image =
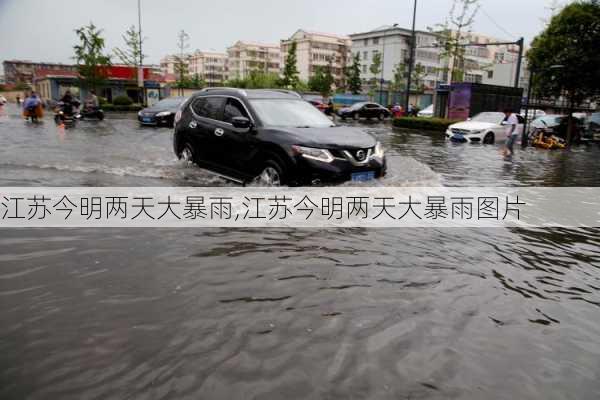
point(65, 113)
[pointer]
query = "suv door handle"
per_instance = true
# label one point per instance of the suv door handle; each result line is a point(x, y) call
point(219, 132)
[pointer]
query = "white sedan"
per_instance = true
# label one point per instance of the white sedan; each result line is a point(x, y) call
point(485, 127)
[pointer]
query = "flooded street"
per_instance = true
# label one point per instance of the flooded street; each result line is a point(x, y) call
point(284, 313)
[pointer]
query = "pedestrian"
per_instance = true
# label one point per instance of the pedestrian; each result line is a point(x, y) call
point(510, 127)
point(18, 101)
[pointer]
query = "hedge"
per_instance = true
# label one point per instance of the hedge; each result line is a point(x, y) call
point(122, 101)
point(129, 108)
point(426, 124)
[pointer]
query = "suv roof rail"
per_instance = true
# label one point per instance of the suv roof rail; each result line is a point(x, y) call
point(240, 91)
point(292, 92)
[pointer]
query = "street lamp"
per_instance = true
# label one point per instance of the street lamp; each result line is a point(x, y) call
point(412, 57)
point(383, 61)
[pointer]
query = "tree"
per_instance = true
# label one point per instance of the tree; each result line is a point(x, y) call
point(256, 79)
point(91, 62)
point(399, 79)
point(290, 78)
point(353, 75)
point(418, 78)
point(461, 18)
point(132, 54)
point(375, 70)
point(322, 81)
point(565, 57)
point(182, 60)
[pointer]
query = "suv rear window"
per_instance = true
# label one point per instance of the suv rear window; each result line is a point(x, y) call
point(208, 107)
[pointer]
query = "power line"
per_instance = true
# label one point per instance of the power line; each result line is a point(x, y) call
point(493, 21)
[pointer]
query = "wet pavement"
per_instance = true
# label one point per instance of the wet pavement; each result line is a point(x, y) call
point(341, 313)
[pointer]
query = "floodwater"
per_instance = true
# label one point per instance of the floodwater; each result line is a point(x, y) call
point(284, 313)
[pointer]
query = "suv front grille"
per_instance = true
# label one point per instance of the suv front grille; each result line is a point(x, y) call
point(356, 156)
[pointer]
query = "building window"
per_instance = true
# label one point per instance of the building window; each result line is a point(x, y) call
point(366, 55)
point(375, 41)
point(490, 74)
point(366, 42)
point(365, 69)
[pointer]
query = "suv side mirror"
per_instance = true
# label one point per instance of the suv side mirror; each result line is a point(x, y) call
point(241, 123)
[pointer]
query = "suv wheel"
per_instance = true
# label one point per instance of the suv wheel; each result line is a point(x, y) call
point(187, 153)
point(381, 116)
point(489, 138)
point(355, 116)
point(272, 174)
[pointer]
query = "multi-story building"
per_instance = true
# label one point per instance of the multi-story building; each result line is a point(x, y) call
point(392, 44)
point(167, 64)
point(314, 50)
point(480, 61)
point(19, 71)
point(245, 57)
point(209, 65)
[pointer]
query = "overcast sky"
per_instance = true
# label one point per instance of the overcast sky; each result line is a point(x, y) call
point(42, 30)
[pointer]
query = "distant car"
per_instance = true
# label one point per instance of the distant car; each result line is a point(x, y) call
point(485, 127)
point(316, 101)
point(162, 113)
point(427, 112)
point(2, 100)
point(593, 126)
point(365, 110)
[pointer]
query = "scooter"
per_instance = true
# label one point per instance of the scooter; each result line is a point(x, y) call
point(65, 114)
point(91, 113)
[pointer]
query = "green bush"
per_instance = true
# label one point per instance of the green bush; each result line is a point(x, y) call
point(426, 124)
point(122, 101)
point(102, 101)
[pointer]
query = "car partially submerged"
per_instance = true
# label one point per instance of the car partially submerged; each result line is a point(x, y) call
point(272, 137)
point(485, 127)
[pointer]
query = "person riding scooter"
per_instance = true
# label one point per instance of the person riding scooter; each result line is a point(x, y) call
point(32, 107)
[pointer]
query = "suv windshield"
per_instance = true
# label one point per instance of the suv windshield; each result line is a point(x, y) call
point(289, 113)
point(491, 117)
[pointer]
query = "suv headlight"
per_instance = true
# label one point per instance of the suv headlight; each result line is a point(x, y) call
point(313, 153)
point(163, 114)
point(379, 150)
point(139, 114)
point(474, 132)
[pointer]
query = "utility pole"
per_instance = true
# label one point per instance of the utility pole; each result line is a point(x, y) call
point(412, 57)
point(141, 66)
point(521, 44)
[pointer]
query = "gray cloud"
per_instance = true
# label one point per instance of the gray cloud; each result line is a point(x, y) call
point(43, 30)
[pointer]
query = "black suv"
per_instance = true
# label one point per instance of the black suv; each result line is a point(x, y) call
point(272, 137)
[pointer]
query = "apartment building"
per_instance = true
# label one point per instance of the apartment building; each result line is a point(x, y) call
point(315, 49)
point(392, 43)
point(245, 57)
point(480, 62)
point(211, 66)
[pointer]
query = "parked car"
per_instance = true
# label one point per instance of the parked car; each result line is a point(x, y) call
point(533, 114)
point(2, 100)
point(556, 125)
point(427, 112)
point(485, 127)
point(316, 101)
point(162, 113)
point(365, 110)
point(273, 137)
point(593, 126)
